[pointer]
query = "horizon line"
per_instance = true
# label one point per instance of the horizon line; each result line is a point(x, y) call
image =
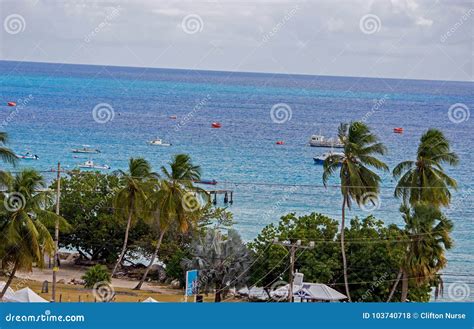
point(243, 72)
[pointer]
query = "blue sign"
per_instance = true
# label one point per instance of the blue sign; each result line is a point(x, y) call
point(191, 282)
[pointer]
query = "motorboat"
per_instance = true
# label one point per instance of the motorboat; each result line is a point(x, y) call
point(85, 149)
point(321, 141)
point(207, 181)
point(216, 125)
point(89, 164)
point(398, 130)
point(321, 158)
point(27, 156)
point(11, 104)
point(158, 142)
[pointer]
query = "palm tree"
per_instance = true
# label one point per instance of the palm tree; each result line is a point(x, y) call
point(424, 180)
point(6, 154)
point(358, 182)
point(130, 200)
point(427, 231)
point(175, 201)
point(24, 223)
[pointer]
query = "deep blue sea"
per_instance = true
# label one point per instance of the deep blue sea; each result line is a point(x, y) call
point(55, 113)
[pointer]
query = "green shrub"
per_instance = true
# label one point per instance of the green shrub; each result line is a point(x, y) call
point(97, 273)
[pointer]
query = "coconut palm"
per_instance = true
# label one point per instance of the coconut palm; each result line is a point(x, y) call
point(6, 154)
point(358, 182)
point(131, 199)
point(24, 223)
point(175, 201)
point(424, 180)
point(427, 231)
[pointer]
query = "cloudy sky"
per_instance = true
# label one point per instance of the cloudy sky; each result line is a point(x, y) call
point(377, 38)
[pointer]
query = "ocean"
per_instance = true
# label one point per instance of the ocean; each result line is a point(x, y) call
point(55, 113)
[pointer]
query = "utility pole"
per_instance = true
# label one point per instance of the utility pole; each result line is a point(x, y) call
point(56, 233)
point(292, 249)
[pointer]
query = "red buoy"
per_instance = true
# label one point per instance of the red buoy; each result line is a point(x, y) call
point(280, 142)
point(11, 104)
point(398, 130)
point(216, 125)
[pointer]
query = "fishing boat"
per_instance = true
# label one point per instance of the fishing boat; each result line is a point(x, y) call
point(207, 181)
point(321, 158)
point(27, 156)
point(321, 141)
point(85, 149)
point(158, 142)
point(89, 164)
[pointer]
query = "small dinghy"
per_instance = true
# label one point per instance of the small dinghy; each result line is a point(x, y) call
point(85, 149)
point(216, 125)
point(89, 164)
point(27, 156)
point(321, 158)
point(158, 142)
point(11, 104)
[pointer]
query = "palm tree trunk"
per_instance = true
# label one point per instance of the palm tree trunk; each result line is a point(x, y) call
point(343, 250)
point(404, 287)
point(10, 279)
point(125, 241)
point(152, 260)
point(399, 276)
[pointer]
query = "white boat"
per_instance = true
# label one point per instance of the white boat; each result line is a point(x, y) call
point(85, 149)
point(89, 164)
point(321, 141)
point(27, 156)
point(158, 142)
point(319, 159)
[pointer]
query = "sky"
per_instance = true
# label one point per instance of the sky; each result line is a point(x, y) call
point(410, 39)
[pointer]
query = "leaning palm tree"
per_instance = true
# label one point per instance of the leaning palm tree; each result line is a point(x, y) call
point(6, 155)
point(24, 223)
point(424, 180)
point(358, 182)
point(130, 200)
point(175, 201)
point(427, 231)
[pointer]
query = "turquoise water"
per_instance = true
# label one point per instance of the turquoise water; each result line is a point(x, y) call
point(54, 114)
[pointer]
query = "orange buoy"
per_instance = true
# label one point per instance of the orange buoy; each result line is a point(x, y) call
point(216, 125)
point(11, 104)
point(398, 130)
point(280, 142)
